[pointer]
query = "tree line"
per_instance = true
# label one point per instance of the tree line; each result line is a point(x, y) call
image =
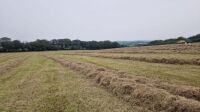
point(9, 45)
point(192, 39)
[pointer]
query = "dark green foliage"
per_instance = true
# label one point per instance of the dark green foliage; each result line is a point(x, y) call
point(40, 45)
point(7, 45)
point(170, 41)
point(5, 39)
point(181, 38)
point(192, 39)
point(195, 38)
point(161, 42)
point(156, 42)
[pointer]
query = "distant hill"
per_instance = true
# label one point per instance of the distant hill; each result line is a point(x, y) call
point(133, 43)
point(192, 39)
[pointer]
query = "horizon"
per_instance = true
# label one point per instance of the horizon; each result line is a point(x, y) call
point(100, 40)
point(76, 39)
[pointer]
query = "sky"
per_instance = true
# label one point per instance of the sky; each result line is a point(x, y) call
point(115, 20)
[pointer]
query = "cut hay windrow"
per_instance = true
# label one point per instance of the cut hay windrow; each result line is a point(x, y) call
point(7, 57)
point(12, 64)
point(136, 90)
point(186, 91)
point(193, 48)
point(144, 59)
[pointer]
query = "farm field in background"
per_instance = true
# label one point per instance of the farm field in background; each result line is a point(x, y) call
point(138, 79)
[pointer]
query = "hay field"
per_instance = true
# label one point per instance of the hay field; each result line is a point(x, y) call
point(140, 79)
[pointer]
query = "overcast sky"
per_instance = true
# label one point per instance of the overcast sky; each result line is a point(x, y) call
point(99, 19)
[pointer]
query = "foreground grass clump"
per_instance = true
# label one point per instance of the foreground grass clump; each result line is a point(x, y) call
point(42, 85)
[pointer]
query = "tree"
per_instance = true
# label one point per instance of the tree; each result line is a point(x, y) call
point(195, 38)
point(181, 38)
point(17, 45)
point(40, 45)
point(93, 45)
point(115, 45)
point(64, 43)
point(76, 44)
point(7, 45)
point(5, 39)
point(156, 42)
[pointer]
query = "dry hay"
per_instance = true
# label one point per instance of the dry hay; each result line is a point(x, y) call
point(12, 64)
point(193, 48)
point(186, 91)
point(144, 59)
point(139, 90)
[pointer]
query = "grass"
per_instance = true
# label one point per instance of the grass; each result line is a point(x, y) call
point(7, 57)
point(168, 49)
point(138, 90)
point(148, 55)
point(42, 85)
point(179, 74)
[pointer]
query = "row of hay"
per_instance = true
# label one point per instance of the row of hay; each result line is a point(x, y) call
point(135, 90)
point(12, 64)
point(163, 60)
point(193, 48)
point(186, 91)
point(6, 57)
point(151, 60)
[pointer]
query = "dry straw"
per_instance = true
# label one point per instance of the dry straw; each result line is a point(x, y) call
point(149, 94)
